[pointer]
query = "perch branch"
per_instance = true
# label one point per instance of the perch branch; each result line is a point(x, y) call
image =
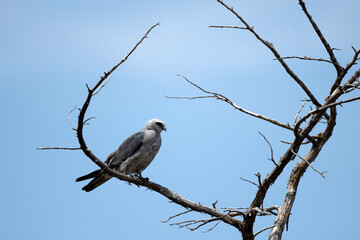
point(174, 197)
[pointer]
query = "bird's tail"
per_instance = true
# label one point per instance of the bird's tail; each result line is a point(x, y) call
point(88, 176)
point(97, 181)
point(99, 178)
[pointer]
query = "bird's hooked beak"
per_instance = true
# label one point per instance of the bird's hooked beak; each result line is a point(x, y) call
point(165, 128)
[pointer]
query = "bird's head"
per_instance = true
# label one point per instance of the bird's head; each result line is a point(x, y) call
point(156, 125)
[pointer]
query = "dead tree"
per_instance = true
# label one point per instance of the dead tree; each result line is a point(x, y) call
point(302, 127)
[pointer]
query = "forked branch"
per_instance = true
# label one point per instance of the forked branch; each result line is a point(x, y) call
point(333, 59)
point(275, 52)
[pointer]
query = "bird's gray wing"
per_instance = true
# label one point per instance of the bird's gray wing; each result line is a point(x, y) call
point(108, 159)
point(127, 149)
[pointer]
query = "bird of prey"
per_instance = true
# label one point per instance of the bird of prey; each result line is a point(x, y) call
point(133, 155)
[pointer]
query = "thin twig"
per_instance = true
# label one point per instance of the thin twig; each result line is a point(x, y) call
point(305, 58)
point(177, 215)
point(258, 175)
point(286, 142)
point(249, 181)
point(271, 149)
point(57, 148)
point(262, 230)
point(68, 118)
point(322, 109)
point(321, 173)
point(189, 98)
point(212, 227)
point(214, 204)
point(232, 208)
point(200, 223)
point(102, 85)
point(235, 27)
point(221, 97)
point(347, 68)
point(298, 112)
point(341, 102)
point(86, 121)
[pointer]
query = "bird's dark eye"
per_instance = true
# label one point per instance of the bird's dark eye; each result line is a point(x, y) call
point(159, 124)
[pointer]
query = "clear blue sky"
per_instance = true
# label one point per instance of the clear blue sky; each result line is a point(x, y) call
point(51, 49)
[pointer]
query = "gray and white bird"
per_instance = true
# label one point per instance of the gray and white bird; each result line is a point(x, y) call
point(133, 155)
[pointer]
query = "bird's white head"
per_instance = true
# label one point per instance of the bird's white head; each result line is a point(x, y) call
point(156, 125)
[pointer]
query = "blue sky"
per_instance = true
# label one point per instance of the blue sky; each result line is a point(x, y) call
point(51, 49)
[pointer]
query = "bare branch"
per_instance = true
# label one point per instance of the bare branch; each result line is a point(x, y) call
point(69, 120)
point(177, 215)
point(321, 109)
point(303, 143)
point(214, 204)
point(265, 211)
point(345, 71)
point(271, 149)
point(341, 102)
point(86, 121)
point(204, 223)
point(354, 78)
point(57, 148)
point(306, 58)
point(352, 87)
point(276, 54)
point(249, 181)
point(221, 97)
point(259, 179)
point(232, 208)
point(189, 98)
point(333, 59)
point(297, 114)
point(194, 222)
point(321, 173)
point(262, 230)
point(212, 227)
point(102, 85)
point(235, 27)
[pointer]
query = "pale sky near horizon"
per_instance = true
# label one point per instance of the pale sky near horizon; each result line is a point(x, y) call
point(51, 49)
